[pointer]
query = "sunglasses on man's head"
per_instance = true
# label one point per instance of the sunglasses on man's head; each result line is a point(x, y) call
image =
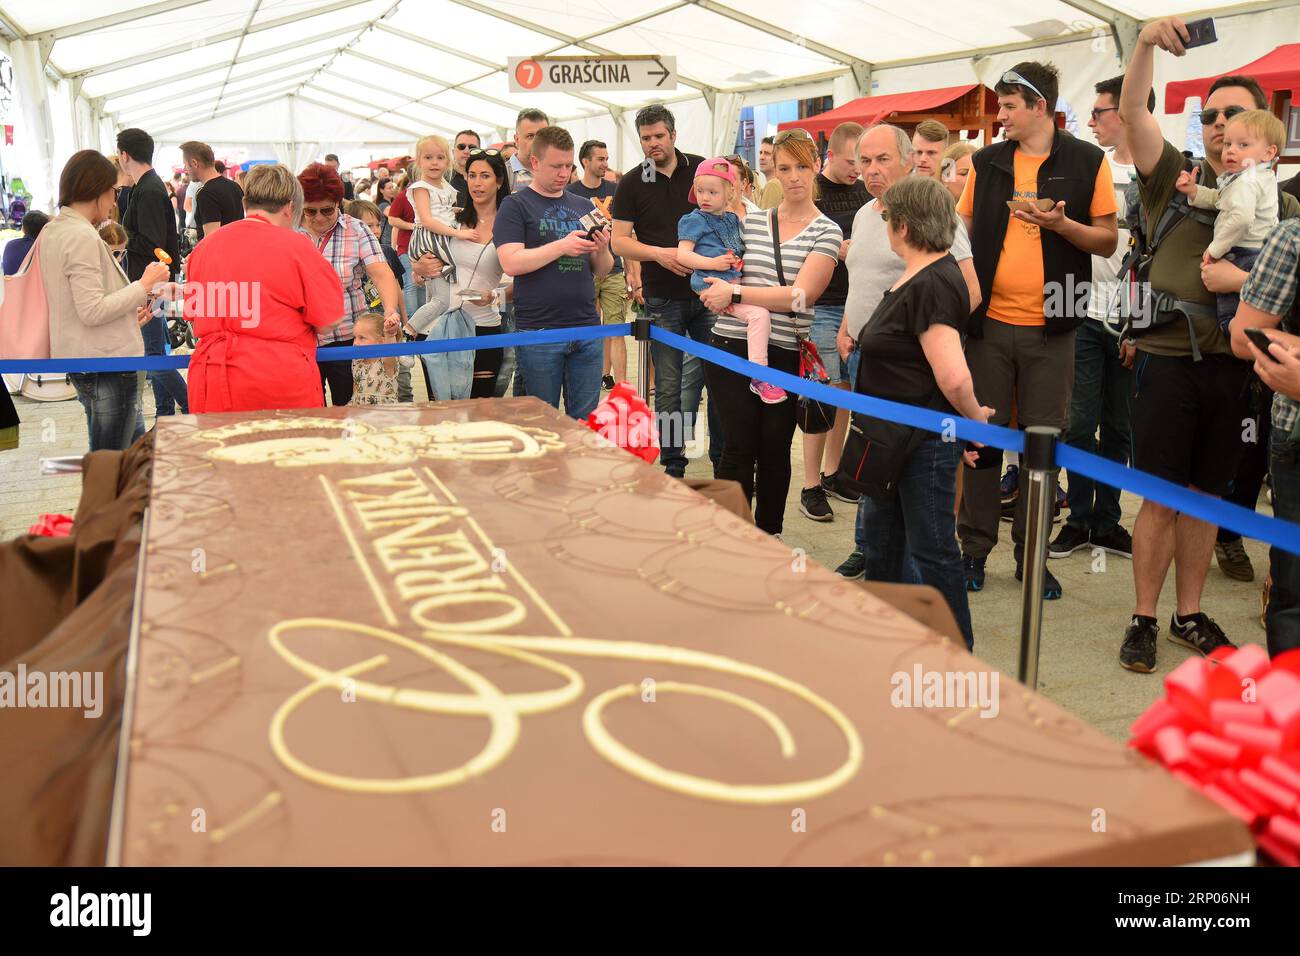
point(1012, 78)
point(313, 211)
point(1210, 117)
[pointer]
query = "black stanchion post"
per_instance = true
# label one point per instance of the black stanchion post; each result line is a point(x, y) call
point(641, 333)
point(1038, 481)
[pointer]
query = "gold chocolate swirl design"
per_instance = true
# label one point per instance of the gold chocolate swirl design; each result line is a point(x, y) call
point(504, 710)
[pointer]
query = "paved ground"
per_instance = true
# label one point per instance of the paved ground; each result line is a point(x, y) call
point(1081, 633)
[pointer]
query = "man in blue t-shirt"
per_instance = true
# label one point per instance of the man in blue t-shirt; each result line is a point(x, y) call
point(541, 241)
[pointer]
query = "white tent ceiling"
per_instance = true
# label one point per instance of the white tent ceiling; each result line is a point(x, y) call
point(409, 66)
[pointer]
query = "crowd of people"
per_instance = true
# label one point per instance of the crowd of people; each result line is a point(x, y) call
point(988, 283)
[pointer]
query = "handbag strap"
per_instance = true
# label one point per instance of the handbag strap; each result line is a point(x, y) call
point(774, 224)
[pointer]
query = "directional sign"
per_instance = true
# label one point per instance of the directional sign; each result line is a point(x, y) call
point(584, 74)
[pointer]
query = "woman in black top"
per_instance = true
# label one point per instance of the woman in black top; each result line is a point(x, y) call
point(911, 351)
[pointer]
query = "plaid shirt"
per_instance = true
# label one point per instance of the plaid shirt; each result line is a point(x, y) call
point(349, 248)
point(1272, 287)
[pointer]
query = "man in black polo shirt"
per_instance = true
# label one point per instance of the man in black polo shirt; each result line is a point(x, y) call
point(150, 223)
point(220, 202)
point(650, 200)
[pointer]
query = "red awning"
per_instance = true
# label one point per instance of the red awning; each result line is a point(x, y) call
point(1279, 70)
point(873, 109)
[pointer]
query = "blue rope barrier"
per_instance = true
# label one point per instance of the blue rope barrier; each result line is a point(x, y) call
point(154, 363)
point(1215, 511)
point(1274, 531)
point(928, 419)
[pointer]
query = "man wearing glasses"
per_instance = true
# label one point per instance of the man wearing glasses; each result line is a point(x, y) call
point(466, 140)
point(1038, 207)
point(1190, 393)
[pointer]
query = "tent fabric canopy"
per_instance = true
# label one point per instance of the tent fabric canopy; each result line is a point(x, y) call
point(293, 79)
point(1278, 70)
point(867, 110)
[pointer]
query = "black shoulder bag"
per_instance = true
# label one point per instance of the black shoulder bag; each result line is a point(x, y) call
point(876, 452)
point(812, 417)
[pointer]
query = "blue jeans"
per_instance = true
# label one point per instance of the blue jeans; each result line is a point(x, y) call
point(169, 389)
point(112, 403)
point(569, 367)
point(679, 381)
point(1226, 302)
point(919, 520)
point(1100, 399)
point(1282, 622)
point(412, 294)
point(825, 328)
point(509, 357)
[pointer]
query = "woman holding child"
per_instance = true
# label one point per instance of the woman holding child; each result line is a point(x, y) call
point(788, 257)
point(477, 273)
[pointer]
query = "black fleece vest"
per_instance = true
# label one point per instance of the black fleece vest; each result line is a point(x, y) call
point(1069, 173)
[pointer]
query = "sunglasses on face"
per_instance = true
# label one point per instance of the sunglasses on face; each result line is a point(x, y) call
point(1011, 77)
point(312, 211)
point(466, 146)
point(1096, 113)
point(1210, 117)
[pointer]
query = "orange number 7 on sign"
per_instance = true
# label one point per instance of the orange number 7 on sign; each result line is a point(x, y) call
point(528, 73)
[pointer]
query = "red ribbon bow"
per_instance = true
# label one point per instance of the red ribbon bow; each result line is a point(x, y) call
point(626, 421)
point(1229, 726)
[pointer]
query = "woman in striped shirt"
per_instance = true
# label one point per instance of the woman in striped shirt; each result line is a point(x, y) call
point(757, 436)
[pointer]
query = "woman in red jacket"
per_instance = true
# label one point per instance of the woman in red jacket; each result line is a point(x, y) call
point(257, 292)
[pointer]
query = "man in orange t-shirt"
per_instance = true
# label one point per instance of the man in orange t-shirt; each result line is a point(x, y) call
point(1038, 207)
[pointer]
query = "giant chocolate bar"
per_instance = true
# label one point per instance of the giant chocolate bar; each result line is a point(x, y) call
point(476, 633)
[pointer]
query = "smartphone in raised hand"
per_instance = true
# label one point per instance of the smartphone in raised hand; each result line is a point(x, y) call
point(1200, 33)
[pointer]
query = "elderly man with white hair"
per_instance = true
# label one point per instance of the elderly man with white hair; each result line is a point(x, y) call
point(884, 157)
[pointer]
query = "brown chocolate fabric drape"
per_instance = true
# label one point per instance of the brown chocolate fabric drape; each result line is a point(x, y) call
point(65, 605)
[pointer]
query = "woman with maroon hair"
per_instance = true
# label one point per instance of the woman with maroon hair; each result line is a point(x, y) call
point(355, 255)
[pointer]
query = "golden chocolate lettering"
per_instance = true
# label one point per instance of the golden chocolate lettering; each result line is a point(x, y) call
point(443, 573)
point(357, 443)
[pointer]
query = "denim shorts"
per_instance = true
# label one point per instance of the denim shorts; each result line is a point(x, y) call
point(825, 327)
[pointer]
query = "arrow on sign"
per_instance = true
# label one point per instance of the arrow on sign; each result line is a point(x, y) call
point(661, 73)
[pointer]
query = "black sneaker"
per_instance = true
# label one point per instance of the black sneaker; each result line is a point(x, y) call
point(607, 383)
point(1233, 560)
point(832, 485)
point(1138, 652)
point(1051, 586)
point(1118, 542)
point(1198, 632)
point(854, 567)
point(1068, 540)
point(973, 569)
point(813, 504)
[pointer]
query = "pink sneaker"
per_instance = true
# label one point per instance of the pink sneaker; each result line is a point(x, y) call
point(768, 393)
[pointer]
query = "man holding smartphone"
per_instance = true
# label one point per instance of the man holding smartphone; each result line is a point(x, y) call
point(1190, 392)
point(1270, 300)
point(1037, 207)
point(542, 242)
